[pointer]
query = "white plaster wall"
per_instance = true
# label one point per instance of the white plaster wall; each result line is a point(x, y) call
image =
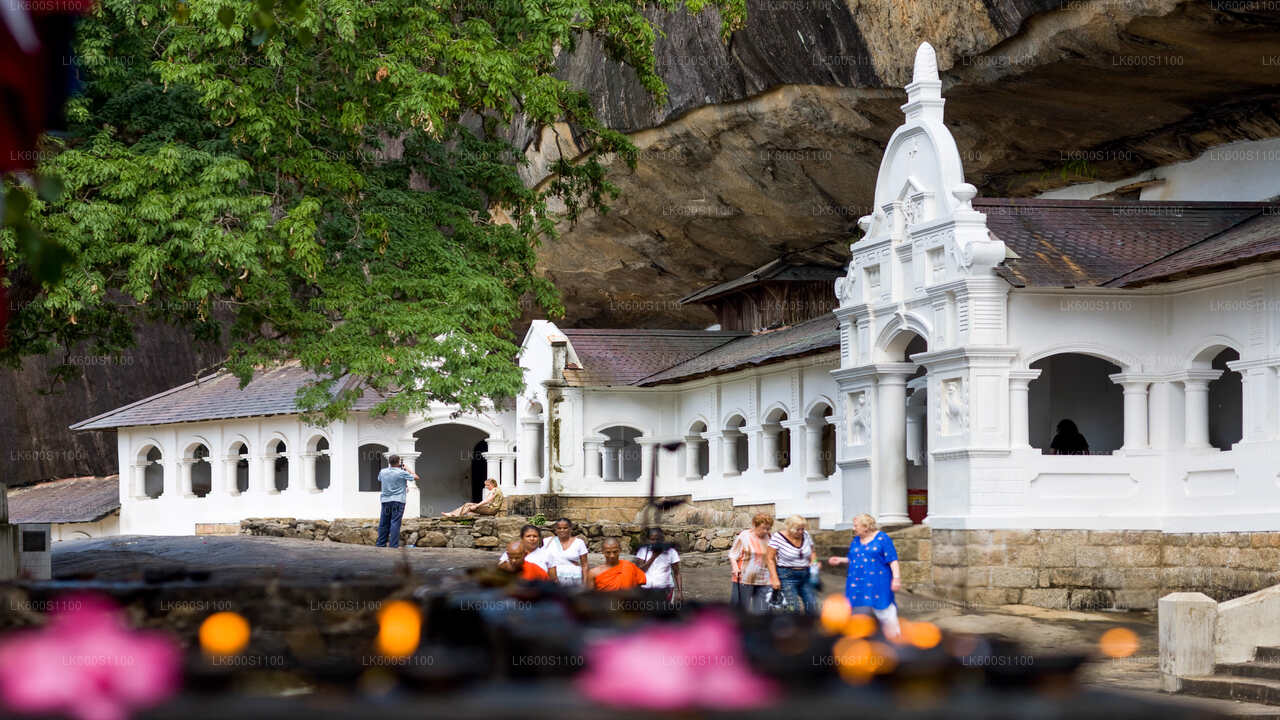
point(1241, 171)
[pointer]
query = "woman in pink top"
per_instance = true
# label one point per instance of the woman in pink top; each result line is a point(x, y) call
point(753, 576)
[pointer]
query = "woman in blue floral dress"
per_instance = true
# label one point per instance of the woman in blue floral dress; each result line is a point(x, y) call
point(874, 574)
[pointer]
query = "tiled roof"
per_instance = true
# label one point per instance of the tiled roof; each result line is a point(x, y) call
point(621, 357)
point(1253, 240)
point(1082, 243)
point(812, 336)
point(782, 270)
point(218, 396)
point(82, 499)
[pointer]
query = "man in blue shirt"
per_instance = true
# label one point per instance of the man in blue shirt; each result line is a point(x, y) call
point(395, 484)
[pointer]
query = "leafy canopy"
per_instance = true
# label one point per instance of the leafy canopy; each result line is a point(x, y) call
point(333, 178)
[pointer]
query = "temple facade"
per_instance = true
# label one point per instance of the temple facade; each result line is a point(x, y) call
point(936, 365)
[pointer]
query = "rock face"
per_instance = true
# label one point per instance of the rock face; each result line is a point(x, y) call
point(35, 443)
point(772, 141)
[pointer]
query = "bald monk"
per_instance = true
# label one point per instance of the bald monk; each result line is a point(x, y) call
point(525, 570)
point(615, 573)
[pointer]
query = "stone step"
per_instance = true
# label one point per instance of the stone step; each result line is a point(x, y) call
point(1225, 687)
point(1255, 669)
point(1267, 654)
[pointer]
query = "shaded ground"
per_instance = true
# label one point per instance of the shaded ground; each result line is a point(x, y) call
point(234, 560)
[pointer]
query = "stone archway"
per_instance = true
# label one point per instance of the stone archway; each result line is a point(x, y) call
point(450, 465)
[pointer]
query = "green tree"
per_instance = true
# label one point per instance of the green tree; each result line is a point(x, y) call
point(333, 178)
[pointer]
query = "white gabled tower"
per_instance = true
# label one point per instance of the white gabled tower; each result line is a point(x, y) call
point(923, 268)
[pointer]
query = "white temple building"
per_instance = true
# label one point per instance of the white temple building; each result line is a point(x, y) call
point(940, 360)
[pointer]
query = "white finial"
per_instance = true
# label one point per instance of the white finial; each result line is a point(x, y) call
point(926, 69)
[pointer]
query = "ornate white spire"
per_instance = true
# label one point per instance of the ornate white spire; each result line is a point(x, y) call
point(926, 69)
point(924, 94)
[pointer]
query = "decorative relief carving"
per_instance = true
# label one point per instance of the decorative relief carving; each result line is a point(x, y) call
point(953, 408)
point(858, 414)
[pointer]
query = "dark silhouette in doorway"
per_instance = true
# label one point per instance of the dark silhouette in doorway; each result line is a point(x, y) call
point(1068, 441)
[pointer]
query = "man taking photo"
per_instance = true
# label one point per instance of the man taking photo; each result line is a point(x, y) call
point(395, 485)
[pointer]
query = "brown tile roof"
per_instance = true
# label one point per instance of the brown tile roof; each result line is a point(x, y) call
point(809, 337)
point(1253, 240)
point(218, 396)
point(621, 357)
point(82, 499)
point(1081, 243)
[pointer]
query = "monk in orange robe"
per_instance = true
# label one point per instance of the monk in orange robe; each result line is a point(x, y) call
point(616, 573)
point(526, 570)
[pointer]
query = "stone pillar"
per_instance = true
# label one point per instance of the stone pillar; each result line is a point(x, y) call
point(1195, 385)
point(753, 448)
point(891, 431)
point(530, 447)
point(267, 478)
point(1135, 410)
point(798, 431)
point(612, 453)
point(692, 447)
point(729, 445)
point(1019, 419)
point(1187, 624)
point(309, 460)
point(769, 450)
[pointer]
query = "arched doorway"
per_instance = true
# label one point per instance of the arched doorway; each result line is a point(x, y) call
point(1076, 387)
point(451, 468)
point(917, 431)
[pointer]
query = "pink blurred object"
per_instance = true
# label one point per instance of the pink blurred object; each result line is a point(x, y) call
point(87, 663)
point(695, 665)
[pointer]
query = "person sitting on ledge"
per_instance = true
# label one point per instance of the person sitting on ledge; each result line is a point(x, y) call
point(490, 503)
point(1068, 441)
point(615, 573)
point(518, 566)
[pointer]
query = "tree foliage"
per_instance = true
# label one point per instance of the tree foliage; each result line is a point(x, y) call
point(331, 177)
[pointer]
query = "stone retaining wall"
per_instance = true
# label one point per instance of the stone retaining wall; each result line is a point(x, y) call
point(488, 533)
point(720, 513)
point(1092, 570)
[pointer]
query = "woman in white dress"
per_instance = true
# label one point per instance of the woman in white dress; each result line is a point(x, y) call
point(531, 538)
point(566, 555)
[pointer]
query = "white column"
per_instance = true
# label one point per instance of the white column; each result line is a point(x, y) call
point(1258, 386)
point(1195, 406)
point(1135, 410)
point(769, 441)
point(715, 453)
point(798, 431)
point(1019, 418)
point(813, 449)
point(229, 464)
point(309, 460)
point(692, 446)
point(267, 478)
point(648, 452)
point(184, 477)
point(531, 433)
point(413, 493)
point(138, 483)
point(611, 455)
point(507, 469)
point(891, 429)
point(593, 461)
point(753, 447)
point(1160, 430)
point(729, 444)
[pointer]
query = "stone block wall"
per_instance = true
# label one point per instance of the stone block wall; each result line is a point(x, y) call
point(718, 513)
point(1093, 570)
